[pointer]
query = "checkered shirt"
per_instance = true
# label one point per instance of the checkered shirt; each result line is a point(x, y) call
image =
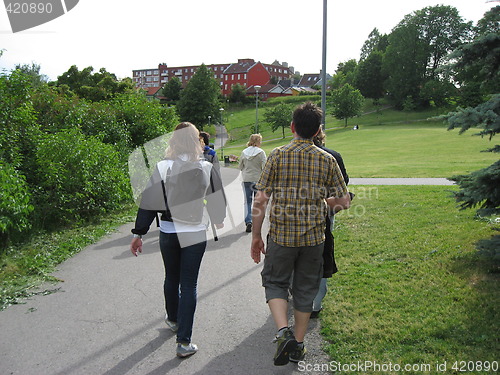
point(299, 176)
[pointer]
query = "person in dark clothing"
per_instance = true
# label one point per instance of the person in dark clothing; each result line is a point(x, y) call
point(329, 265)
point(208, 152)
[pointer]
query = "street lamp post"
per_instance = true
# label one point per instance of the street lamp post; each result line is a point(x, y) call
point(323, 70)
point(257, 88)
point(209, 117)
point(221, 135)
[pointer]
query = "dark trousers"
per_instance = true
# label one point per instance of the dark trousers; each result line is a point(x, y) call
point(182, 266)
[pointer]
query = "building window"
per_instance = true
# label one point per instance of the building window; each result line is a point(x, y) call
point(245, 76)
point(149, 72)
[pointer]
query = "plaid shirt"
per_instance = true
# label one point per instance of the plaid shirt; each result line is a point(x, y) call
point(299, 176)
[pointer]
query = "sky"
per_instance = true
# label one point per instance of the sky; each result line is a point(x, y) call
point(121, 36)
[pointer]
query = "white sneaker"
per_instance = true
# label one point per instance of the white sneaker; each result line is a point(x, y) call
point(185, 350)
point(172, 325)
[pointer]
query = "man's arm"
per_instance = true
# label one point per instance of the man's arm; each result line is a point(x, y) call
point(258, 214)
point(338, 204)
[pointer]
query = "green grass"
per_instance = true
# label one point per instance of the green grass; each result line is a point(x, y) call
point(411, 288)
point(388, 144)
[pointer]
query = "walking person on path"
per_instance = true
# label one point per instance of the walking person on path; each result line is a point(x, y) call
point(252, 161)
point(208, 152)
point(329, 266)
point(182, 243)
point(300, 177)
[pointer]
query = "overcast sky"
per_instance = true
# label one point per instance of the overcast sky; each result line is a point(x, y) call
point(125, 35)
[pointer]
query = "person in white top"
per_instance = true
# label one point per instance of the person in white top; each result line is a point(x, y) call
point(182, 244)
point(251, 163)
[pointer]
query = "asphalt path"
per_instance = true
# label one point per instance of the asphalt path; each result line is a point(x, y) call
point(106, 315)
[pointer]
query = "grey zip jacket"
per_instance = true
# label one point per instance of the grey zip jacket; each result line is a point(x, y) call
point(252, 161)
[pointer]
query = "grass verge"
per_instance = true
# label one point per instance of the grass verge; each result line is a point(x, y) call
point(23, 268)
point(411, 287)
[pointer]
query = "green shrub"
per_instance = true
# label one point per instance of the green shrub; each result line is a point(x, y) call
point(78, 177)
point(15, 207)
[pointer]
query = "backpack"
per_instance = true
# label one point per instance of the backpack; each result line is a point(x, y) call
point(184, 191)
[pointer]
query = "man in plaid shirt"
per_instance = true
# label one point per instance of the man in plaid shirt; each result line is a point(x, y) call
point(304, 182)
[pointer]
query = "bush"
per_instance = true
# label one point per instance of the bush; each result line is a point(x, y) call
point(15, 207)
point(78, 178)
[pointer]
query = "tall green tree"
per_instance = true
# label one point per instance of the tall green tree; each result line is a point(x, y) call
point(346, 102)
point(370, 77)
point(345, 74)
point(418, 46)
point(476, 64)
point(480, 188)
point(200, 98)
point(376, 42)
point(238, 94)
point(279, 116)
point(172, 90)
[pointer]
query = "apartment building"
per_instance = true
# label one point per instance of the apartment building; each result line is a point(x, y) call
point(246, 72)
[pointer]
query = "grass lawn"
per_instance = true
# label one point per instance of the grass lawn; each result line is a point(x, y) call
point(411, 288)
point(388, 144)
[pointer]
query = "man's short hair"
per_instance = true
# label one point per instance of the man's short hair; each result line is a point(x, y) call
point(307, 119)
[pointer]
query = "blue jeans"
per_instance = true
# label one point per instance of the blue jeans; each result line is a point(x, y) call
point(182, 266)
point(323, 288)
point(249, 188)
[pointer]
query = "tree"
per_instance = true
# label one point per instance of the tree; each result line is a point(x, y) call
point(476, 64)
point(418, 46)
point(172, 90)
point(370, 78)
point(94, 87)
point(279, 116)
point(200, 98)
point(238, 94)
point(376, 42)
point(480, 188)
point(346, 102)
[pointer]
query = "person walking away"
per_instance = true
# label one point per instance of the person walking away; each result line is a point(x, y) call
point(329, 265)
point(208, 152)
point(302, 180)
point(182, 241)
point(251, 164)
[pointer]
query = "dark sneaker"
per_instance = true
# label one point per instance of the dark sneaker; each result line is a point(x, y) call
point(185, 350)
point(286, 344)
point(249, 227)
point(298, 353)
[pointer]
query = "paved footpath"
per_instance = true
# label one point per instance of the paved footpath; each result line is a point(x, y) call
point(106, 316)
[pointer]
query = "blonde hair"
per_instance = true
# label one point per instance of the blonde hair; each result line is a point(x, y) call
point(319, 139)
point(185, 140)
point(255, 139)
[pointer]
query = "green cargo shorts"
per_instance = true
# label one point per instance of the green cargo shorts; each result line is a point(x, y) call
point(306, 265)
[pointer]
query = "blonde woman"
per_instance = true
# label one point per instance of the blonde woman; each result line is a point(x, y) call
point(252, 161)
point(182, 244)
